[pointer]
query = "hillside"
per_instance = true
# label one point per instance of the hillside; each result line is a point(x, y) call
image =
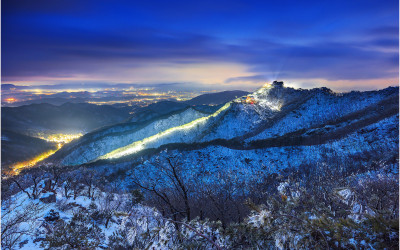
point(100, 142)
point(156, 109)
point(17, 147)
point(66, 118)
point(208, 103)
point(369, 126)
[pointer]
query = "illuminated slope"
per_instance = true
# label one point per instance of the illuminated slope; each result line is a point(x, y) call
point(274, 104)
point(185, 133)
point(241, 119)
point(244, 118)
point(17, 147)
point(98, 143)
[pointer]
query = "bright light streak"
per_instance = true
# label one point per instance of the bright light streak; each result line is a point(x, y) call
point(16, 169)
point(263, 103)
point(140, 145)
point(60, 139)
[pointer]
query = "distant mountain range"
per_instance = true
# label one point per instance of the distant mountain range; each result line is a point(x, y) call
point(207, 102)
point(84, 117)
point(66, 118)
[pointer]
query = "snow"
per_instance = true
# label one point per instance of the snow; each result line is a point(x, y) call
point(19, 202)
point(345, 194)
point(82, 200)
point(47, 194)
point(300, 109)
point(120, 136)
point(181, 134)
point(241, 119)
point(246, 166)
point(321, 108)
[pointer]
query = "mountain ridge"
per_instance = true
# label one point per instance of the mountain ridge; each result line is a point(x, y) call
point(300, 97)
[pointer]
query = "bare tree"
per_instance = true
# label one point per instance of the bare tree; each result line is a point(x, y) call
point(56, 174)
point(11, 220)
point(88, 178)
point(166, 182)
point(67, 186)
point(72, 184)
point(29, 182)
point(109, 205)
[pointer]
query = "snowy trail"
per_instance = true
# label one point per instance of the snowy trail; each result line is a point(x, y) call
point(140, 145)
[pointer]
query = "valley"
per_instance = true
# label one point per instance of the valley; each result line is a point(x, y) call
point(59, 139)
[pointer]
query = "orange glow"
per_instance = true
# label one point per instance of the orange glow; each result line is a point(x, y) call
point(16, 169)
point(10, 100)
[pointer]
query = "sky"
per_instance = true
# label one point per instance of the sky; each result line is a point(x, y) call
point(343, 45)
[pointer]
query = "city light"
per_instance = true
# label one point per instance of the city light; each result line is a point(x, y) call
point(60, 139)
point(16, 169)
point(10, 100)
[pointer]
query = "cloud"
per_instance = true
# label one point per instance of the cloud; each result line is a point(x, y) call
point(96, 52)
point(56, 42)
point(252, 79)
point(384, 32)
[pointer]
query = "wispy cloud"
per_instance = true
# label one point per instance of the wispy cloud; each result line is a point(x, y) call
point(141, 44)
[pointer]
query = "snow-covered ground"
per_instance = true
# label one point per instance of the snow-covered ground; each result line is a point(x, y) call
point(186, 133)
point(321, 108)
point(32, 213)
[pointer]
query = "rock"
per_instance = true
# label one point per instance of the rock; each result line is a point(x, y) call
point(48, 198)
point(52, 216)
point(22, 243)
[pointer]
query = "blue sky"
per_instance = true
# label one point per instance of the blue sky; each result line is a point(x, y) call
point(226, 44)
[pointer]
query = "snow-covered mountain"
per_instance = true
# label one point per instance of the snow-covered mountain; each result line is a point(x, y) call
point(279, 116)
point(278, 168)
point(317, 127)
point(100, 142)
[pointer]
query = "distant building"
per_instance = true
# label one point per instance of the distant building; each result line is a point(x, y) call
point(277, 83)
